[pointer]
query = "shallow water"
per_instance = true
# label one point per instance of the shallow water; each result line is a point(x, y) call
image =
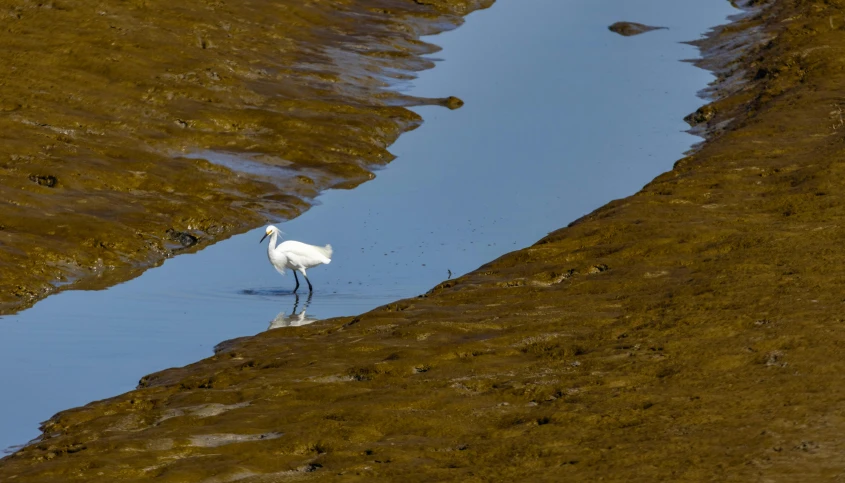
point(561, 116)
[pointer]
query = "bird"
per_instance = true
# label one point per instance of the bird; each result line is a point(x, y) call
point(295, 255)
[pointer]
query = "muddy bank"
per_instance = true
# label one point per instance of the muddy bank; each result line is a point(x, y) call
point(100, 102)
point(690, 332)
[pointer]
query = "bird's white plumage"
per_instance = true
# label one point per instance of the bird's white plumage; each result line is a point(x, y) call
point(299, 256)
point(295, 255)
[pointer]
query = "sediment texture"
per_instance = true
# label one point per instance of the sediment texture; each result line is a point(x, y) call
point(99, 101)
point(693, 331)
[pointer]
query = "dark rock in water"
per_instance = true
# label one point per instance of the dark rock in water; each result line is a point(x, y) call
point(453, 102)
point(450, 102)
point(632, 28)
point(49, 181)
point(185, 239)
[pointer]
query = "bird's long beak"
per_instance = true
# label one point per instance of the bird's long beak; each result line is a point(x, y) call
point(263, 237)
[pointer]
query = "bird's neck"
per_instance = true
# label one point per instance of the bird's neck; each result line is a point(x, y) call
point(272, 244)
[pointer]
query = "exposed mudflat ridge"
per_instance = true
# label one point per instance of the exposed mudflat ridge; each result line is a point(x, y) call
point(100, 101)
point(690, 332)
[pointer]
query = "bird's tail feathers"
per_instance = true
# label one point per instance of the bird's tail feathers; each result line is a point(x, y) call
point(327, 251)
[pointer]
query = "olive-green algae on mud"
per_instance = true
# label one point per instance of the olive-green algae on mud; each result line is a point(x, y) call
point(100, 100)
point(693, 331)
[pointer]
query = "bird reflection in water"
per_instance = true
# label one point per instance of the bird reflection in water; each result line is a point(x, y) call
point(294, 319)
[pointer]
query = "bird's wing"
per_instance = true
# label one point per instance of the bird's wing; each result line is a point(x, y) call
point(303, 254)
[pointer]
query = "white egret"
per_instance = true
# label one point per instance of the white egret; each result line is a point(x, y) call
point(295, 255)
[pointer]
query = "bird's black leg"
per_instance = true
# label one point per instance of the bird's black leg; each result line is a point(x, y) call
point(310, 288)
point(295, 304)
point(297, 282)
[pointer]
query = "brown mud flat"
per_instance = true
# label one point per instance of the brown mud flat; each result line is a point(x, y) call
point(693, 331)
point(100, 100)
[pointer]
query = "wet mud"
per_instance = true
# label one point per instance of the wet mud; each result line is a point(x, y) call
point(691, 332)
point(102, 106)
